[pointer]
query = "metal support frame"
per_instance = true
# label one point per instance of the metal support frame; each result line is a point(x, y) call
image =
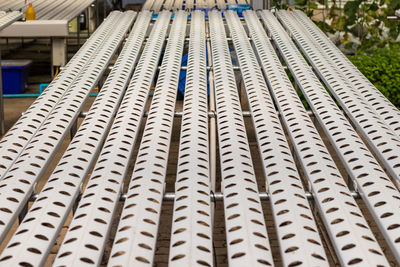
point(5, 20)
point(52, 21)
point(58, 52)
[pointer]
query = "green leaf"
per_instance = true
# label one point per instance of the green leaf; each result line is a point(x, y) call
point(312, 5)
point(341, 23)
point(382, 67)
point(373, 7)
point(351, 9)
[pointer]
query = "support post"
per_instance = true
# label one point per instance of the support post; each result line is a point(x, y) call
point(59, 52)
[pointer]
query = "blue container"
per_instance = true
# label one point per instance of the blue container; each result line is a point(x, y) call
point(15, 75)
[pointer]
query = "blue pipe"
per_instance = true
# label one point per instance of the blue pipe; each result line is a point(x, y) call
point(20, 95)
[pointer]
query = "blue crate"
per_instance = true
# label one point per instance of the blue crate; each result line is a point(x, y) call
point(15, 75)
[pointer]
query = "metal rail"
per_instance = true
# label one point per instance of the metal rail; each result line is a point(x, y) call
point(214, 196)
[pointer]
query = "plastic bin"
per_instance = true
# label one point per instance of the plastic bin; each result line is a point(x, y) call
point(15, 75)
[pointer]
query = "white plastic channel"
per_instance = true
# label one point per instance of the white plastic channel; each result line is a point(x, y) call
point(19, 183)
point(383, 141)
point(349, 233)
point(381, 105)
point(17, 138)
point(93, 218)
point(36, 238)
point(287, 196)
point(375, 187)
point(157, 5)
point(148, 4)
point(192, 209)
point(246, 234)
point(9, 18)
point(137, 231)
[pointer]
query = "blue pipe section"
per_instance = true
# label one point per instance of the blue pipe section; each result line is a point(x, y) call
point(20, 95)
point(42, 86)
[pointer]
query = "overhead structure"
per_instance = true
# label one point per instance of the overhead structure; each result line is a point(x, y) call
point(319, 179)
point(157, 5)
point(52, 18)
point(7, 18)
point(49, 10)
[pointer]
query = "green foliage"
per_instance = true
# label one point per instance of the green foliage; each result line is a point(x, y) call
point(363, 29)
point(364, 23)
point(382, 67)
point(306, 5)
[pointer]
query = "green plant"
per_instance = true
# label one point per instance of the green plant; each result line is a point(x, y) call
point(363, 23)
point(367, 21)
point(382, 67)
point(308, 6)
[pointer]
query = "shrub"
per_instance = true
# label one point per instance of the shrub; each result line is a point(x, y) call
point(382, 67)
